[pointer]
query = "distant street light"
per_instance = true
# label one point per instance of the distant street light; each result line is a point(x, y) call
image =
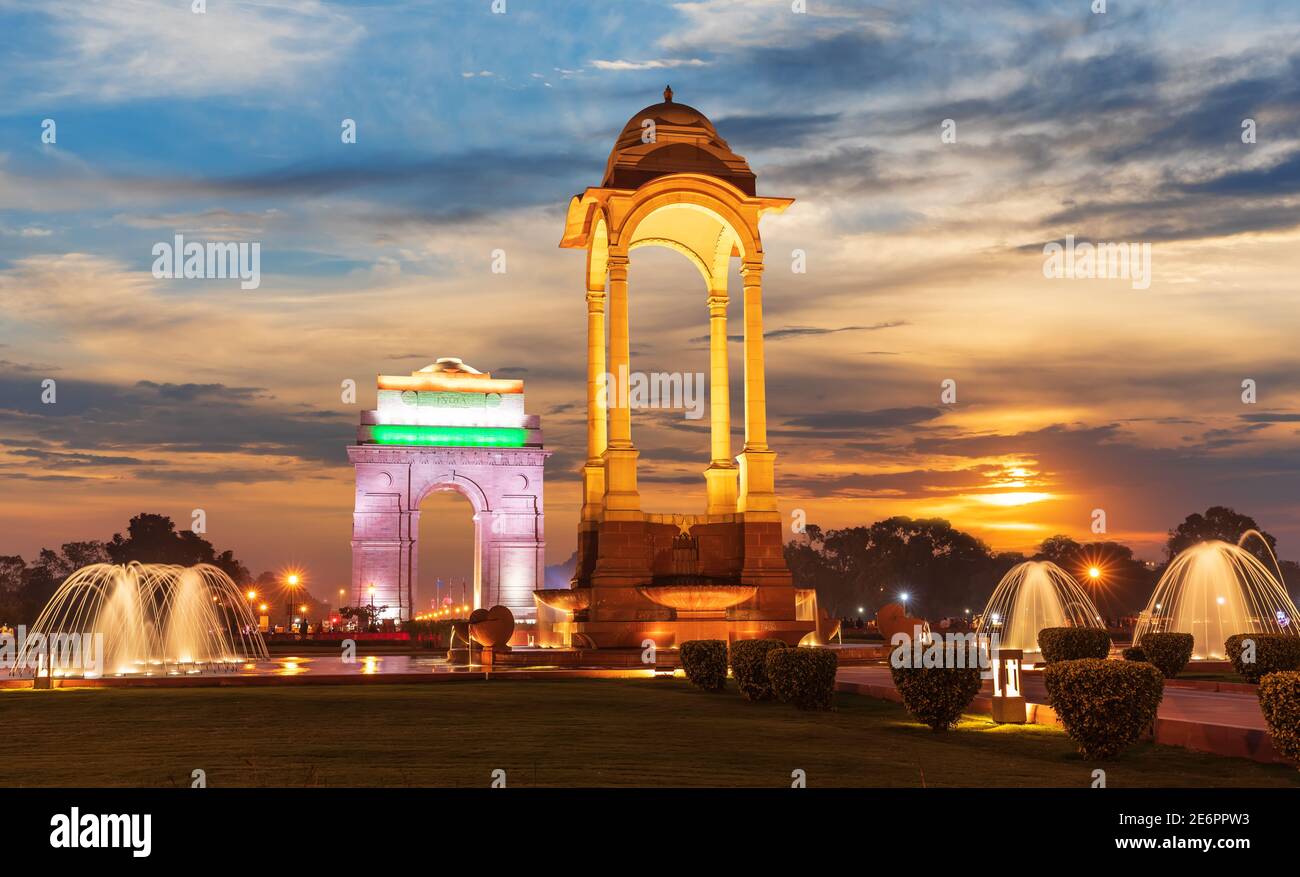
point(291, 581)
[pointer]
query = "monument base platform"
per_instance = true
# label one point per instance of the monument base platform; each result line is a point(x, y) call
point(671, 634)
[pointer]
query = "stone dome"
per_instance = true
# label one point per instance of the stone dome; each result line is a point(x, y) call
point(684, 141)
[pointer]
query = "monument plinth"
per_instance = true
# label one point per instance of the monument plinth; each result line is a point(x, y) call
point(672, 182)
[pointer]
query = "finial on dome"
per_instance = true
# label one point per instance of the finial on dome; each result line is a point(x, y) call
point(668, 94)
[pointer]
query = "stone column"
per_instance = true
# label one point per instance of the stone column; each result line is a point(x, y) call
point(593, 472)
point(757, 463)
point(720, 476)
point(622, 501)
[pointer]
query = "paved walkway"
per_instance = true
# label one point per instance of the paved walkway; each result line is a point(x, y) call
point(1225, 723)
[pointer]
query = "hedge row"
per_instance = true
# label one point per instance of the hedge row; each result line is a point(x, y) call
point(936, 695)
point(1170, 652)
point(1104, 705)
point(705, 663)
point(1279, 698)
point(1072, 643)
point(749, 666)
point(803, 677)
point(1273, 652)
point(764, 669)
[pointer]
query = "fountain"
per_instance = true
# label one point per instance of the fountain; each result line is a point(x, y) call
point(1031, 596)
point(1213, 590)
point(153, 618)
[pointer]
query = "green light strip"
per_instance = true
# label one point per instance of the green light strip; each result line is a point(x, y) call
point(450, 436)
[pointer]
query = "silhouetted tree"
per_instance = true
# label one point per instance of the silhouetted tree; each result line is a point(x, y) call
point(1218, 522)
point(154, 539)
point(944, 570)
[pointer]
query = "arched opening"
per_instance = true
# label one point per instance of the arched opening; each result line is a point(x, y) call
point(447, 552)
point(670, 353)
point(708, 235)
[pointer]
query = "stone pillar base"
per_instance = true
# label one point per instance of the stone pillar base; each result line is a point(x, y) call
point(757, 482)
point(721, 487)
point(622, 500)
point(593, 490)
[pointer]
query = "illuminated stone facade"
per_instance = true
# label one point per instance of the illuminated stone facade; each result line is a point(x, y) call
point(671, 181)
point(448, 427)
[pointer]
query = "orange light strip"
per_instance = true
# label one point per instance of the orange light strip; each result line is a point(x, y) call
point(450, 383)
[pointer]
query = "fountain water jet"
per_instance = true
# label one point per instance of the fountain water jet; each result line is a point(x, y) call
point(1031, 596)
point(155, 618)
point(1213, 590)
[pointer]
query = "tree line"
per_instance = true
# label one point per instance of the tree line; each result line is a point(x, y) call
point(945, 571)
point(25, 587)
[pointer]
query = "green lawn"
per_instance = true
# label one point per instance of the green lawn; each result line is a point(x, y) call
point(562, 732)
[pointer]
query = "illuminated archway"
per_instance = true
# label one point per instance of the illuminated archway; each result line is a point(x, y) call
point(449, 427)
point(671, 181)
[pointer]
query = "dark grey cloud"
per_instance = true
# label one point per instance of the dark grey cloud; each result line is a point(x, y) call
point(1280, 178)
point(884, 418)
point(807, 331)
point(102, 424)
point(1265, 417)
point(775, 129)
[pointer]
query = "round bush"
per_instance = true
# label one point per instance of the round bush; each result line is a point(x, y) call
point(936, 695)
point(1104, 705)
point(705, 663)
point(1273, 652)
point(803, 677)
point(1170, 652)
point(1279, 698)
point(1073, 643)
point(749, 666)
point(1133, 653)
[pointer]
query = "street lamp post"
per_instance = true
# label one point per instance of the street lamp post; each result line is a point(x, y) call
point(291, 582)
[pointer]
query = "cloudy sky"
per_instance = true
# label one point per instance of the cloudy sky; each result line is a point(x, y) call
point(924, 257)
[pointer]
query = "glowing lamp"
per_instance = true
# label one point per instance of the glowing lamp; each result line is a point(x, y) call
point(1008, 701)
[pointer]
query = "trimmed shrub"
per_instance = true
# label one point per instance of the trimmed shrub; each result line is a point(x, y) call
point(1170, 652)
point(1073, 643)
point(803, 677)
point(705, 663)
point(936, 695)
point(1133, 653)
point(749, 666)
point(1273, 652)
point(1279, 698)
point(1104, 705)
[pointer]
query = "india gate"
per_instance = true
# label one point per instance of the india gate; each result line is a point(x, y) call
point(448, 426)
